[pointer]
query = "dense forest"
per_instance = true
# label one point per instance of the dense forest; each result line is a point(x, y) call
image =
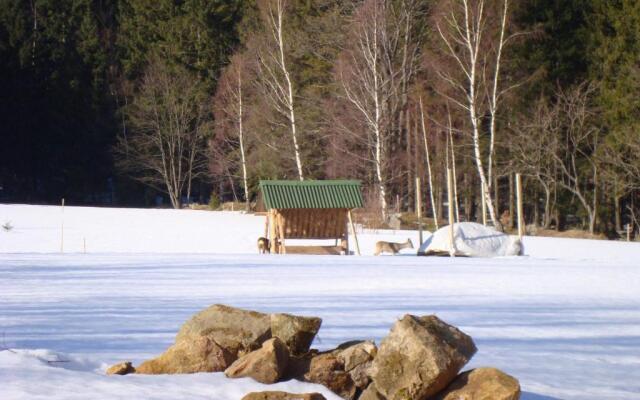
point(115, 102)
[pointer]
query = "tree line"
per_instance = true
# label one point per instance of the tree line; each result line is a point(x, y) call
point(198, 97)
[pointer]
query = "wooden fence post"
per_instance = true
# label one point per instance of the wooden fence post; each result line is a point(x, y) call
point(419, 210)
point(484, 205)
point(355, 236)
point(452, 251)
point(519, 202)
point(62, 230)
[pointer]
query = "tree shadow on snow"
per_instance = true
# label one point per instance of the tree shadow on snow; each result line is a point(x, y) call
point(533, 396)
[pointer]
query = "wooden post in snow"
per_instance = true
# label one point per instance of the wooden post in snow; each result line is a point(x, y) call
point(273, 237)
point(419, 209)
point(281, 231)
point(452, 250)
point(484, 205)
point(353, 229)
point(519, 203)
point(62, 230)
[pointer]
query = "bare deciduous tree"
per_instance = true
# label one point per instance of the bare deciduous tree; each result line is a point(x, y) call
point(475, 39)
point(230, 113)
point(531, 144)
point(169, 121)
point(559, 146)
point(274, 71)
point(367, 85)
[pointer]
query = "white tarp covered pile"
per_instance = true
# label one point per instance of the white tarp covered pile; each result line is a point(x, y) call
point(472, 240)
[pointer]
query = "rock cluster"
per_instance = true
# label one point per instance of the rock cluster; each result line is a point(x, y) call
point(420, 359)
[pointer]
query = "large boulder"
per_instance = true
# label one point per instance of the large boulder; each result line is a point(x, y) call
point(296, 332)
point(328, 370)
point(283, 396)
point(197, 354)
point(419, 358)
point(235, 330)
point(211, 340)
point(265, 365)
point(482, 384)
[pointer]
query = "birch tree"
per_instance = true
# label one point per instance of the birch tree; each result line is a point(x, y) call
point(470, 38)
point(428, 161)
point(229, 111)
point(367, 87)
point(274, 71)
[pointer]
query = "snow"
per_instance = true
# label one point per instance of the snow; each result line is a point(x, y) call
point(472, 240)
point(564, 319)
point(45, 229)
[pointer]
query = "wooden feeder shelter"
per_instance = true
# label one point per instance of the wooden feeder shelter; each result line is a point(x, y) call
point(315, 210)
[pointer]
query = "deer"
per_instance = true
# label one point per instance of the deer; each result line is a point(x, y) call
point(390, 247)
point(263, 245)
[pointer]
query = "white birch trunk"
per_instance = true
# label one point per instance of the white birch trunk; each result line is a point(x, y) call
point(290, 107)
point(426, 149)
point(243, 159)
point(493, 105)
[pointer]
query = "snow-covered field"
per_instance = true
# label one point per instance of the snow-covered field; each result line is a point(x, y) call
point(565, 319)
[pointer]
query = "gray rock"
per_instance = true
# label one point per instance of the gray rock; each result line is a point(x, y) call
point(235, 330)
point(482, 384)
point(122, 368)
point(265, 365)
point(191, 355)
point(371, 393)
point(211, 340)
point(295, 331)
point(326, 369)
point(419, 358)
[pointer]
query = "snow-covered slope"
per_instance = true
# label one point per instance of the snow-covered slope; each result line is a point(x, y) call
point(45, 229)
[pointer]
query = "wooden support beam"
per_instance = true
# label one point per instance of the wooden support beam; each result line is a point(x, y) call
point(281, 231)
point(273, 237)
point(353, 230)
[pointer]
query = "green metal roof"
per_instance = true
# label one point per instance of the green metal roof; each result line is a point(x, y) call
point(311, 194)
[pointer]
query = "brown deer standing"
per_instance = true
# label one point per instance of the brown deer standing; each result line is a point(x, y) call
point(263, 245)
point(390, 247)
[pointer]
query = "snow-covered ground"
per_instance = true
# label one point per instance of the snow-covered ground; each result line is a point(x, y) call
point(565, 319)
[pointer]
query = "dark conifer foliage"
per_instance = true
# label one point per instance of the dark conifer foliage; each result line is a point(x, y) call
point(367, 87)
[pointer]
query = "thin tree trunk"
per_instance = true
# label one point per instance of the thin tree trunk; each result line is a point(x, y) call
point(511, 200)
point(290, 103)
point(453, 167)
point(241, 140)
point(426, 150)
point(493, 109)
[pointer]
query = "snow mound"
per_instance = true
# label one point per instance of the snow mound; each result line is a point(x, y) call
point(472, 240)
